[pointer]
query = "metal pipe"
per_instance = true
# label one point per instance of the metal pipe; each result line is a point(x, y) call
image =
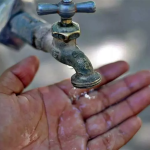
point(28, 27)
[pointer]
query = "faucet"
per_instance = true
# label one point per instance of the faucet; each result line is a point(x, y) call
point(59, 39)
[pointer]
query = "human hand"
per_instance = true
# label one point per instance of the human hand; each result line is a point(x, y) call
point(45, 118)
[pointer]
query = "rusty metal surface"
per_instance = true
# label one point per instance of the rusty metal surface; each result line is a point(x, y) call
point(24, 25)
point(70, 54)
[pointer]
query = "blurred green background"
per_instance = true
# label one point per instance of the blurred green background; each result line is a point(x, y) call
point(119, 30)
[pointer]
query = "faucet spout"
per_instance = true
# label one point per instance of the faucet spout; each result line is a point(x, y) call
point(70, 54)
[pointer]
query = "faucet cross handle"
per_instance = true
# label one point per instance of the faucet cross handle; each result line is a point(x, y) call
point(66, 8)
point(67, 1)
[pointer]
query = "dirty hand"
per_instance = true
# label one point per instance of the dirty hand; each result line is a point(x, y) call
point(45, 118)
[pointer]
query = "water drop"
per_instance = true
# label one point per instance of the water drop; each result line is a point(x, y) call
point(75, 94)
point(87, 96)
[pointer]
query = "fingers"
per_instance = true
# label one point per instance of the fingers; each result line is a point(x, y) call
point(108, 72)
point(15, 79)
point(111, 117)
point(117, 137)
point(111, 94)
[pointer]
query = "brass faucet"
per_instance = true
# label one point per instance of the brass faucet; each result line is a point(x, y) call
point(58, 39)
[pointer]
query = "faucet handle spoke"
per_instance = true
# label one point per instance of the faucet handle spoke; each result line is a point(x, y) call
point(86, 7)
point(46, 9)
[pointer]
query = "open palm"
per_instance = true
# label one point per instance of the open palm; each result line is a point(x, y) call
point(45, 118)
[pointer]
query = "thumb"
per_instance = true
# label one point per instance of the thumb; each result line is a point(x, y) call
point(16, 78)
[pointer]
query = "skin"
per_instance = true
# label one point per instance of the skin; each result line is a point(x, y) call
point(45, 119)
